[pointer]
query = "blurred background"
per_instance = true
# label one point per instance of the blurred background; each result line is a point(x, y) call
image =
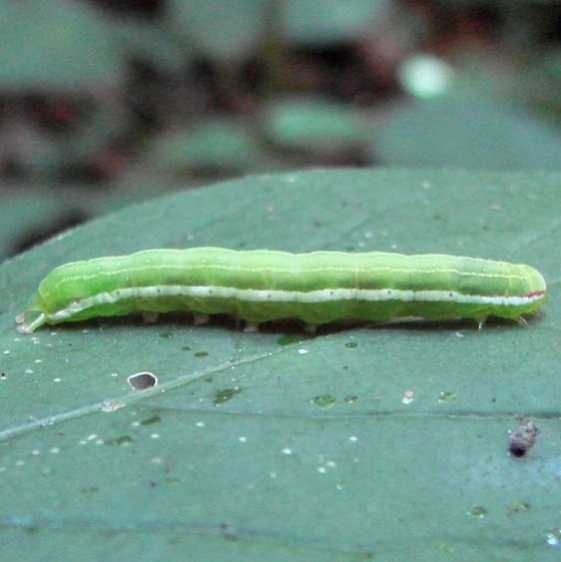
point(104, 103)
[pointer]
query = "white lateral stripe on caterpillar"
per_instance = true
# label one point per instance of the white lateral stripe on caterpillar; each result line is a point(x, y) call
point(256, 296)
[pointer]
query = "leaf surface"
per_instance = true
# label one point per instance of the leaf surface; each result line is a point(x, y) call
point(369, 442)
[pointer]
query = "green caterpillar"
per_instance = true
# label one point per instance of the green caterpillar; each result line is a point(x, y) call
point(264, 285)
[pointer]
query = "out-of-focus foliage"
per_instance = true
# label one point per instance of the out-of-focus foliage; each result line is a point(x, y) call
point(300, 124)
point(220, 145)
point(57, 46)
point(98, 93)
point(222, 31)
point(464, 132)
point(313, 22)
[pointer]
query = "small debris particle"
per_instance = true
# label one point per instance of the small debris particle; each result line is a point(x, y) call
point(523, 438)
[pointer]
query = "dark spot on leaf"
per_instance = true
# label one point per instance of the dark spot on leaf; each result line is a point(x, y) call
point(152, 420)
point(225, 395)
point(90, 490)
point(122, 440)
point(324, 401)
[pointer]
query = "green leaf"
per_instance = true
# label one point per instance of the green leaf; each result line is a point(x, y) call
point(221, 144)
point(27, 213)
point(301, 123)
point(55, 45)
point(39, 212)
point(324, 22)
point(147, 40)
point(233, 31)
point(385, 443)
point(469, 132)
point(226, 31)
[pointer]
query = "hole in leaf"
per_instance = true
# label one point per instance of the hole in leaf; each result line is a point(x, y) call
point(142, 381)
